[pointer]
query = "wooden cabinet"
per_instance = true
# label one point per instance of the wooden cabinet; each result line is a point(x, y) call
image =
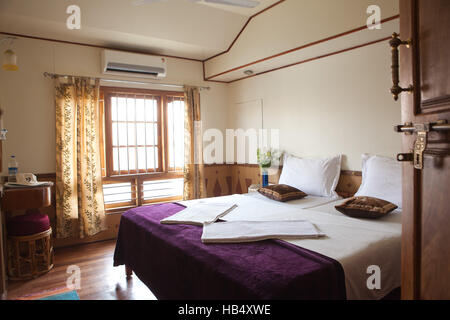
point(26, 198)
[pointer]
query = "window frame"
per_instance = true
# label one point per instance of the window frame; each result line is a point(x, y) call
point(167, 99)
point(135, 177)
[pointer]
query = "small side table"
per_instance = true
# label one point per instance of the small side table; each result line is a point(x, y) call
point(26, 198)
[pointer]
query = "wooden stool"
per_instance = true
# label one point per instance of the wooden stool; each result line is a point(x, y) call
point(30, 256)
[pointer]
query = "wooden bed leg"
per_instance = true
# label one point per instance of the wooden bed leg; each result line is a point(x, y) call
point(128, 271)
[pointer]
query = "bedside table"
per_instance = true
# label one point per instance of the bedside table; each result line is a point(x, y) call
point(21, 266)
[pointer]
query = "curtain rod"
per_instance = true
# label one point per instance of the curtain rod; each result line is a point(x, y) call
point(54, 75)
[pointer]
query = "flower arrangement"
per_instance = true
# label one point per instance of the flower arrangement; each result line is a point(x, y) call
point(265, 159)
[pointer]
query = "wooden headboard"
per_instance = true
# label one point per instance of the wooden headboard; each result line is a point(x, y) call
point(348, 184)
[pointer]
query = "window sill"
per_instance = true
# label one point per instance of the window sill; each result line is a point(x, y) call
point(144, 176)
point(113, 211)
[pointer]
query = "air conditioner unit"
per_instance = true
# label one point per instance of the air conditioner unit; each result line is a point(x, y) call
point(133, 64)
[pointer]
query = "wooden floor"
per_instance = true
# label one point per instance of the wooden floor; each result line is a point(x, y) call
point(99, 279)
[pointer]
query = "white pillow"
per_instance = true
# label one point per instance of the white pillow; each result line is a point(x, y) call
point(381, 178)
point(315, 177)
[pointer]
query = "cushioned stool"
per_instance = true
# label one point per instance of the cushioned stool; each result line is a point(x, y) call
point(30, 249)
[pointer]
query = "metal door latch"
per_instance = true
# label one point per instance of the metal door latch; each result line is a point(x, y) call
point(416, 156)
point(419, 147)
point(422, 130)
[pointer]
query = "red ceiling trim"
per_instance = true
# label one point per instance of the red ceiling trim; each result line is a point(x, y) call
point(243, 28)
point(299, 48)
point(97, 46)
point(312, 59)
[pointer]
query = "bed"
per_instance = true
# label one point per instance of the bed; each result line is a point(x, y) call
point(173, 262)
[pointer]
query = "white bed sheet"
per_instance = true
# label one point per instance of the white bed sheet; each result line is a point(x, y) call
point(355, 243)
point(245, 199)
point(358, 244)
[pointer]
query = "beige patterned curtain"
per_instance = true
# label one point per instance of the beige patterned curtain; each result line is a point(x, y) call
point(194, 182)
point(79, 193)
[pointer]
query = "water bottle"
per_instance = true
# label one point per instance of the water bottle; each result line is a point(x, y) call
point(265, 178)
point(13, 167)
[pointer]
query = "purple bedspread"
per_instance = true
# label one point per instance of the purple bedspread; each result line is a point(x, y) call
point(173, 262)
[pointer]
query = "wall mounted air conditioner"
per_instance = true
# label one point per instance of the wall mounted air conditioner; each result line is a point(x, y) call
point(133, 64)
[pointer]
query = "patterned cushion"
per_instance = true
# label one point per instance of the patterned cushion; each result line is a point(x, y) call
point(282, 192)
point(366, 207)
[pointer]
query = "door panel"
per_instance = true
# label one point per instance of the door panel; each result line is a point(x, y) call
point(435, 255)
point(434, 36)
point(426, 192)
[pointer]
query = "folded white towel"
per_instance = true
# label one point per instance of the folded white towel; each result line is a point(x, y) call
point(200, 213)
point(248, 231)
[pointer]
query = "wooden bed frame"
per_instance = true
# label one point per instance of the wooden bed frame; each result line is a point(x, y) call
point(348, 185)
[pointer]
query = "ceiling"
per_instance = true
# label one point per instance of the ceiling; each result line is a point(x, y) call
point(172, 27)
point(242, 11)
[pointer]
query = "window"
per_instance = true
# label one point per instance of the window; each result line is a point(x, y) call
point(143, 146)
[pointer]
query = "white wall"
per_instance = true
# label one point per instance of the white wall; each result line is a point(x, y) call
point(27, 97)
point(337, 105)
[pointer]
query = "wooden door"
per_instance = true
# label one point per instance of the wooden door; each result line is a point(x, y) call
point(426, 192)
